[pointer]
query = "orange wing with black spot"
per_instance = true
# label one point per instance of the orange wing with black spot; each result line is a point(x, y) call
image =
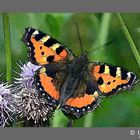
point(43, 49)
point(76, 107)
point(112, 79)
point(43, 82)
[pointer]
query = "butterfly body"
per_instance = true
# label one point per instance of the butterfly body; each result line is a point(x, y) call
point(75, 74)
point(71, 82)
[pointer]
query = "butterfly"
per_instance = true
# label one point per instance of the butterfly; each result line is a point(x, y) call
point(70, 82)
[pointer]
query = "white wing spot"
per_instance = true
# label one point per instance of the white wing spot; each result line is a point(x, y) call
point(128, 75)
point(88, 107)
point(77, 110)
point(72, 109)
point(48, 97)
point(83, 109)
point(35, 32)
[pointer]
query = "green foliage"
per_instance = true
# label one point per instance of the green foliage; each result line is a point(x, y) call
point(7, 41)
point(129, 38)
point(103, 40)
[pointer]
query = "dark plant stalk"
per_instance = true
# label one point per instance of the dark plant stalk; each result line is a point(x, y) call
point(7, 41)
point(70, 123)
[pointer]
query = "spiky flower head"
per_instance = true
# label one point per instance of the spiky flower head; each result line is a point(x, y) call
point(7, 106)
point(33, 107)
point(29, 103)
point(27, 73)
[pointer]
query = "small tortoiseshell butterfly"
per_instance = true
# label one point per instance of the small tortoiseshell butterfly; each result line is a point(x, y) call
point(72, 82)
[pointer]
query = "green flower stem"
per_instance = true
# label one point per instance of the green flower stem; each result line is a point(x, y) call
point(103, 32)
point(57, 120)
point(7, 41)
point(88, 120)
point(101, 41)
point(129, 38)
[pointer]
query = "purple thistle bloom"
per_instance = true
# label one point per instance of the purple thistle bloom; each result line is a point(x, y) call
point(31, 106)
point(27, 75)
point(7, 107)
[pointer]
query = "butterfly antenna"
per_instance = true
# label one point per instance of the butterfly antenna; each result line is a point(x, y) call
point(79, 37)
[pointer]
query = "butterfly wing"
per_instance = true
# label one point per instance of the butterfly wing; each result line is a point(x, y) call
point(79, 106)
point(43, 49)
point(112, 79)
point(44, 81)
point(76, 107)
point(44, 84)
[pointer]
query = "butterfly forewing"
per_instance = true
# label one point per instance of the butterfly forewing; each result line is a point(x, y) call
point(43, 49)
point(112, 79)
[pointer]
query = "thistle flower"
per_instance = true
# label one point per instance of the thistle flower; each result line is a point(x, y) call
point(7, 107)
point(26, 75)
point(31, 106)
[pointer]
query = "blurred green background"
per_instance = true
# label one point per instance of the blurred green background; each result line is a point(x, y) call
point(103, 40)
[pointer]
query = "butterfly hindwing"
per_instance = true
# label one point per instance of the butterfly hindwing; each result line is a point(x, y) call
point(44, 84)
point(76, 107)
point(43, 49)
point(112, 79)
point(79, 106)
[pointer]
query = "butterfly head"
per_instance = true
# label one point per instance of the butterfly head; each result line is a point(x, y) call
point(83, 59)
point(84, 56)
